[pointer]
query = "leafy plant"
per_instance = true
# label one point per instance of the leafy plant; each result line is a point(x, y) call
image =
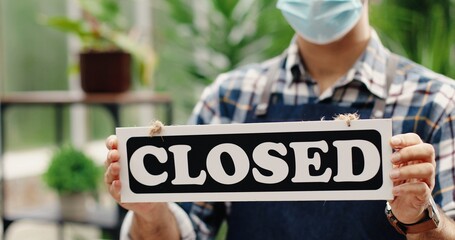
point(102, 28)
point(422, 30)
point(71, 171)
point(197, 40)
point(226, 33)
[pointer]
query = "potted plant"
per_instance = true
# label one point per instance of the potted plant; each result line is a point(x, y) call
point(76, 178)
point(108, 48)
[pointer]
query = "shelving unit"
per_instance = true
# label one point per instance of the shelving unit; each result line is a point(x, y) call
point(107, 219)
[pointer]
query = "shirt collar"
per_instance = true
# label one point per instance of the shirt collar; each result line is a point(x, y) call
point(370, 68)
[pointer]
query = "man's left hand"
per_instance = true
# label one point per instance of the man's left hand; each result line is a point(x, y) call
point(413, 177)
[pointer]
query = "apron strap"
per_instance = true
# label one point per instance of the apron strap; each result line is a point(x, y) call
point(261, 108)
point(379, 105)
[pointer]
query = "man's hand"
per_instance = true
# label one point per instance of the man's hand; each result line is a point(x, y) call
point(413, 176)
point(151, 220)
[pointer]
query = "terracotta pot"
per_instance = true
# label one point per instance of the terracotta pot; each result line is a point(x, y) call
point(105, 72)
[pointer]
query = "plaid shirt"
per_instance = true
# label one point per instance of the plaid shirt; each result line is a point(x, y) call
point(418, 100)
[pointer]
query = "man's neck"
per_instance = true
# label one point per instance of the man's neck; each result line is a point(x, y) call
point(328, 63)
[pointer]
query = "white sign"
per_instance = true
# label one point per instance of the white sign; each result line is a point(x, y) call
point(286, 161)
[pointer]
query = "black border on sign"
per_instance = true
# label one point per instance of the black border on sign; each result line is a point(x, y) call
point(202, 144)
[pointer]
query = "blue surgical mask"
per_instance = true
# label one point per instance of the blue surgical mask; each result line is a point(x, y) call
point(321, 21)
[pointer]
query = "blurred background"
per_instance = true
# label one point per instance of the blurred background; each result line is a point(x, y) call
point(190, 41)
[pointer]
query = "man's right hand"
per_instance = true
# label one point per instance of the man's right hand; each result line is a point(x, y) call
point(151, 220)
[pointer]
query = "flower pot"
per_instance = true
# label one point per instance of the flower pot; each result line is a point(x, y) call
point(75, 206)
point(105, 72)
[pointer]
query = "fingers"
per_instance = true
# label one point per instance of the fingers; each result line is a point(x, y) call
point(111, 179)
point(404, 140)
point(112, 156)
point(111, 142)
point(112, 165)
point(114, 190)
point(423, 172)
point(420, 152)
point(414, 160)
point(410, 149)
point(112, 173)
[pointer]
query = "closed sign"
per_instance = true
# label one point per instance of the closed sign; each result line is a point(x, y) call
point(324, 160)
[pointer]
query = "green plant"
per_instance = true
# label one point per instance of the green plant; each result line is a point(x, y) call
point(196, 40)
point(71, 171)
point(226, 33)
point(422, 30)
point(102, 28)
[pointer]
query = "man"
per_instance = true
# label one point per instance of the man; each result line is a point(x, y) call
point(335, 64)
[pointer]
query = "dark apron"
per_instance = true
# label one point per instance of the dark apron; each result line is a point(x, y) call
point(310, 219)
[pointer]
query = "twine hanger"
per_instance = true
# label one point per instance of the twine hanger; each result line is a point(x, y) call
point(156, 128)
point(347, 117)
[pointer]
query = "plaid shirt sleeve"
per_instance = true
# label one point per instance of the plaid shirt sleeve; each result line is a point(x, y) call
point(443, 141)
point(423, 102)
point(439, 124)
point(445, 159)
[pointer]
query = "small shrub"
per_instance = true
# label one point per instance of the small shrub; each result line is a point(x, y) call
point(71, 171)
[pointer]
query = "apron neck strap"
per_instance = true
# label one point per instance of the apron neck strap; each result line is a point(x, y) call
point(379, 105)
point(271, 75)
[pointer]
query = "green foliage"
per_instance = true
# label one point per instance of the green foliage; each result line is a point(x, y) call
point(71, 171)
point(224, 34)
point(102, 28)
point(197, 40)
point(422, 30)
